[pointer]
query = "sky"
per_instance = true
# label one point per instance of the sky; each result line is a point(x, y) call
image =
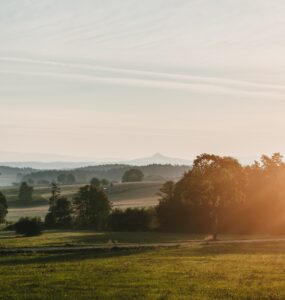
point(96, 79)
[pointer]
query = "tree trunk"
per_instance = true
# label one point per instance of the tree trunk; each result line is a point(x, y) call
point(215, 228)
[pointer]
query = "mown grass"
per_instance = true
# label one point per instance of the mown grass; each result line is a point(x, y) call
point(77, 238)
point(87, 237)
point(228, 271)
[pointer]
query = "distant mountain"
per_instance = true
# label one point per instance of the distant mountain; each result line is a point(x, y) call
point(157, 159)
point(55, 165)
point(58, 162)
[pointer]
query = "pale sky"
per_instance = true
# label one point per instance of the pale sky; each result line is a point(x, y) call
point(129, 78)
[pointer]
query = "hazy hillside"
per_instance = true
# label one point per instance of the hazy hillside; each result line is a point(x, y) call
point(112, 173)
point(10, 175)
point(151, 172)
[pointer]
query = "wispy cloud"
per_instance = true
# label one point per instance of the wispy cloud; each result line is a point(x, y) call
point(175, 66)
point(148, 79)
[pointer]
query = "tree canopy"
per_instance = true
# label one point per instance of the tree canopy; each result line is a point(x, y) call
point(197, 200)
point(64, 178)
point(60, 210)
point(133, 175)
point(91, 207)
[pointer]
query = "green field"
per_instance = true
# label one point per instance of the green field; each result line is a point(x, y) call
point(87, 237)
point(205, 271)
point(9, 239)
point(123, 195)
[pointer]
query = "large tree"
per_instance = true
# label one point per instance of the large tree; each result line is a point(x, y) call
point(55, 194)
point(60, 210)
point(91, 207)
point(215, 182)
point(265, 205)
point(197, 202)
point(95, 182)
point(176, 212)
point(133, 175)
point(3, 207)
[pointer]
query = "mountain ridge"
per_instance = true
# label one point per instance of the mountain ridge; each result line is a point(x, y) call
point(157, 158)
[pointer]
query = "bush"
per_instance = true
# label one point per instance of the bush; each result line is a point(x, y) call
point(29, 226)
point(9, 227)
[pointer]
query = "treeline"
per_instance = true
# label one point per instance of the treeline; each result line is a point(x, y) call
point(111, 172)
point(218, 195)
point(9, 175)
point(91, 209)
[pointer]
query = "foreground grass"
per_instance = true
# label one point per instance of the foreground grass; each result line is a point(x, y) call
point(68, 238)
point(229, 271)
point(87, 237)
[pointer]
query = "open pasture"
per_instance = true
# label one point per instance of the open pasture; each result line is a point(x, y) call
point(201, 271)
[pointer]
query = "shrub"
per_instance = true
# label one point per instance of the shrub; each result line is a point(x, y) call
point(29, 226)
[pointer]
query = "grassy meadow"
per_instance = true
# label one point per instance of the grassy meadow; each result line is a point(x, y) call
point(61, 238)
point(9, 239)
point(123, 195)
point(200, 271)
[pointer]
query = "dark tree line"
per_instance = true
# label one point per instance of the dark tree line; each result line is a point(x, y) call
point(132, 219)
point(90, 208)
point(64, 178)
